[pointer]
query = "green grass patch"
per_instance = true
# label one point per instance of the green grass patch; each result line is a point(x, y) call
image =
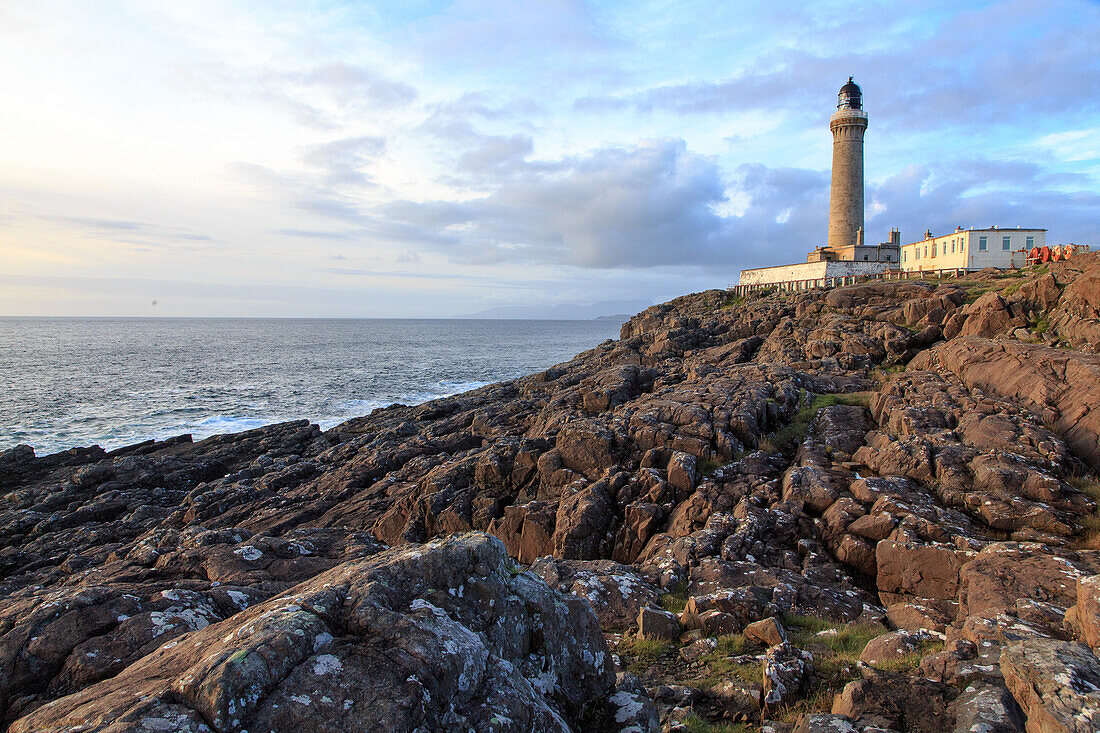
point(795, 431)
point(853, 399)
point(641, 653)
point(848, 641)
point(882, 373)
point(1090, 487)
point(733, 301)
point(835, 659)
point(977, 290)
point(912, 659)
point(674, 602)
point(710, 466)
point(721, 665)
point(695, 724)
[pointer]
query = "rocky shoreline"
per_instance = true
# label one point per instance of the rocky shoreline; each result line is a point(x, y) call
point(867, 509)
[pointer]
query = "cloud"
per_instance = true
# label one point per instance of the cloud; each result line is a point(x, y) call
point(1036, 69)
point(141, 233)
point(655, 204)
point(343, 161)
point(922, 197)
point(312, 234)
point(660, 205)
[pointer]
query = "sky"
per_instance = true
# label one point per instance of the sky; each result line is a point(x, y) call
point(427, 158)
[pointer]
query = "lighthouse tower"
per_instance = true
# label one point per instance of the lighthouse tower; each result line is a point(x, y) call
point(846, 195)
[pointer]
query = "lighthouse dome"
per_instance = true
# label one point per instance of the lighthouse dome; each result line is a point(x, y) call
point(850, 97)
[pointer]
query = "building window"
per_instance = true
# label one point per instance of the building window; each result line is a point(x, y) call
point(1030, 242)
point(1006, 243)
point(887, 258)
point(945, 247)
point(953, 246)
point(926, 250)
point(904, 257)
point(983, 244)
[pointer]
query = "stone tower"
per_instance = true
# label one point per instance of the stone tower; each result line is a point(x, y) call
point(846, 196)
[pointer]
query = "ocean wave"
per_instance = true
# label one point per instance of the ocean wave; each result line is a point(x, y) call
point(218, 424)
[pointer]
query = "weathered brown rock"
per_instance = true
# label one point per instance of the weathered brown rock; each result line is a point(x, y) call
point(894, 645)
point(1084, 616)
point(1056, 683)
point(768, 631)
point(922, 570)
point(1063, 381)
point(656, 623)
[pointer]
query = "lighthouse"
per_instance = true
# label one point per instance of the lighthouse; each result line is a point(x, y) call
point(846, 194)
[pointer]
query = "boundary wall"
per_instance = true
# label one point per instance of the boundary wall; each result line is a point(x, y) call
point(839, 279)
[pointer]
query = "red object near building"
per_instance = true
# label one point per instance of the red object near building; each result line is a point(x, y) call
point(1044, 254)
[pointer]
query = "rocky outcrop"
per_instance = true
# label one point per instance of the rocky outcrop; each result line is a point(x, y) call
point(443, 636)
point(913, 461)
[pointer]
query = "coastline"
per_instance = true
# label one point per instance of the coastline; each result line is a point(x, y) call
point(759, 474)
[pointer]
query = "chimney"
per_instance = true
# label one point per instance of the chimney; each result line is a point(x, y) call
point(859, 237)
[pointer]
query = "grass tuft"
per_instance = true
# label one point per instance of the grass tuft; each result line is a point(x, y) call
point(674, 602)
point(695, 724)
point(1090, 487)
point(641, 653)
point(835, 659)
point(710, 466)
point(795, 431)
point(910, 660)
point(721, 665)
point(732, 301)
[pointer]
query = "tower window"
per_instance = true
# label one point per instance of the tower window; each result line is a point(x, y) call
point(983, 244)
point(1006, 243)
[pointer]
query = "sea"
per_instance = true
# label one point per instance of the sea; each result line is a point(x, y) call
point(67, 382)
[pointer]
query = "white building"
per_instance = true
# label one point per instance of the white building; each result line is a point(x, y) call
point(806, 275)
point(972, 249)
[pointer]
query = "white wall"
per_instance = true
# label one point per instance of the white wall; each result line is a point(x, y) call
point(995, 255)
point(809, 271)
point(783, 273)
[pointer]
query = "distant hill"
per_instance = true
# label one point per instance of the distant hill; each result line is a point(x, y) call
point(605, 310)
